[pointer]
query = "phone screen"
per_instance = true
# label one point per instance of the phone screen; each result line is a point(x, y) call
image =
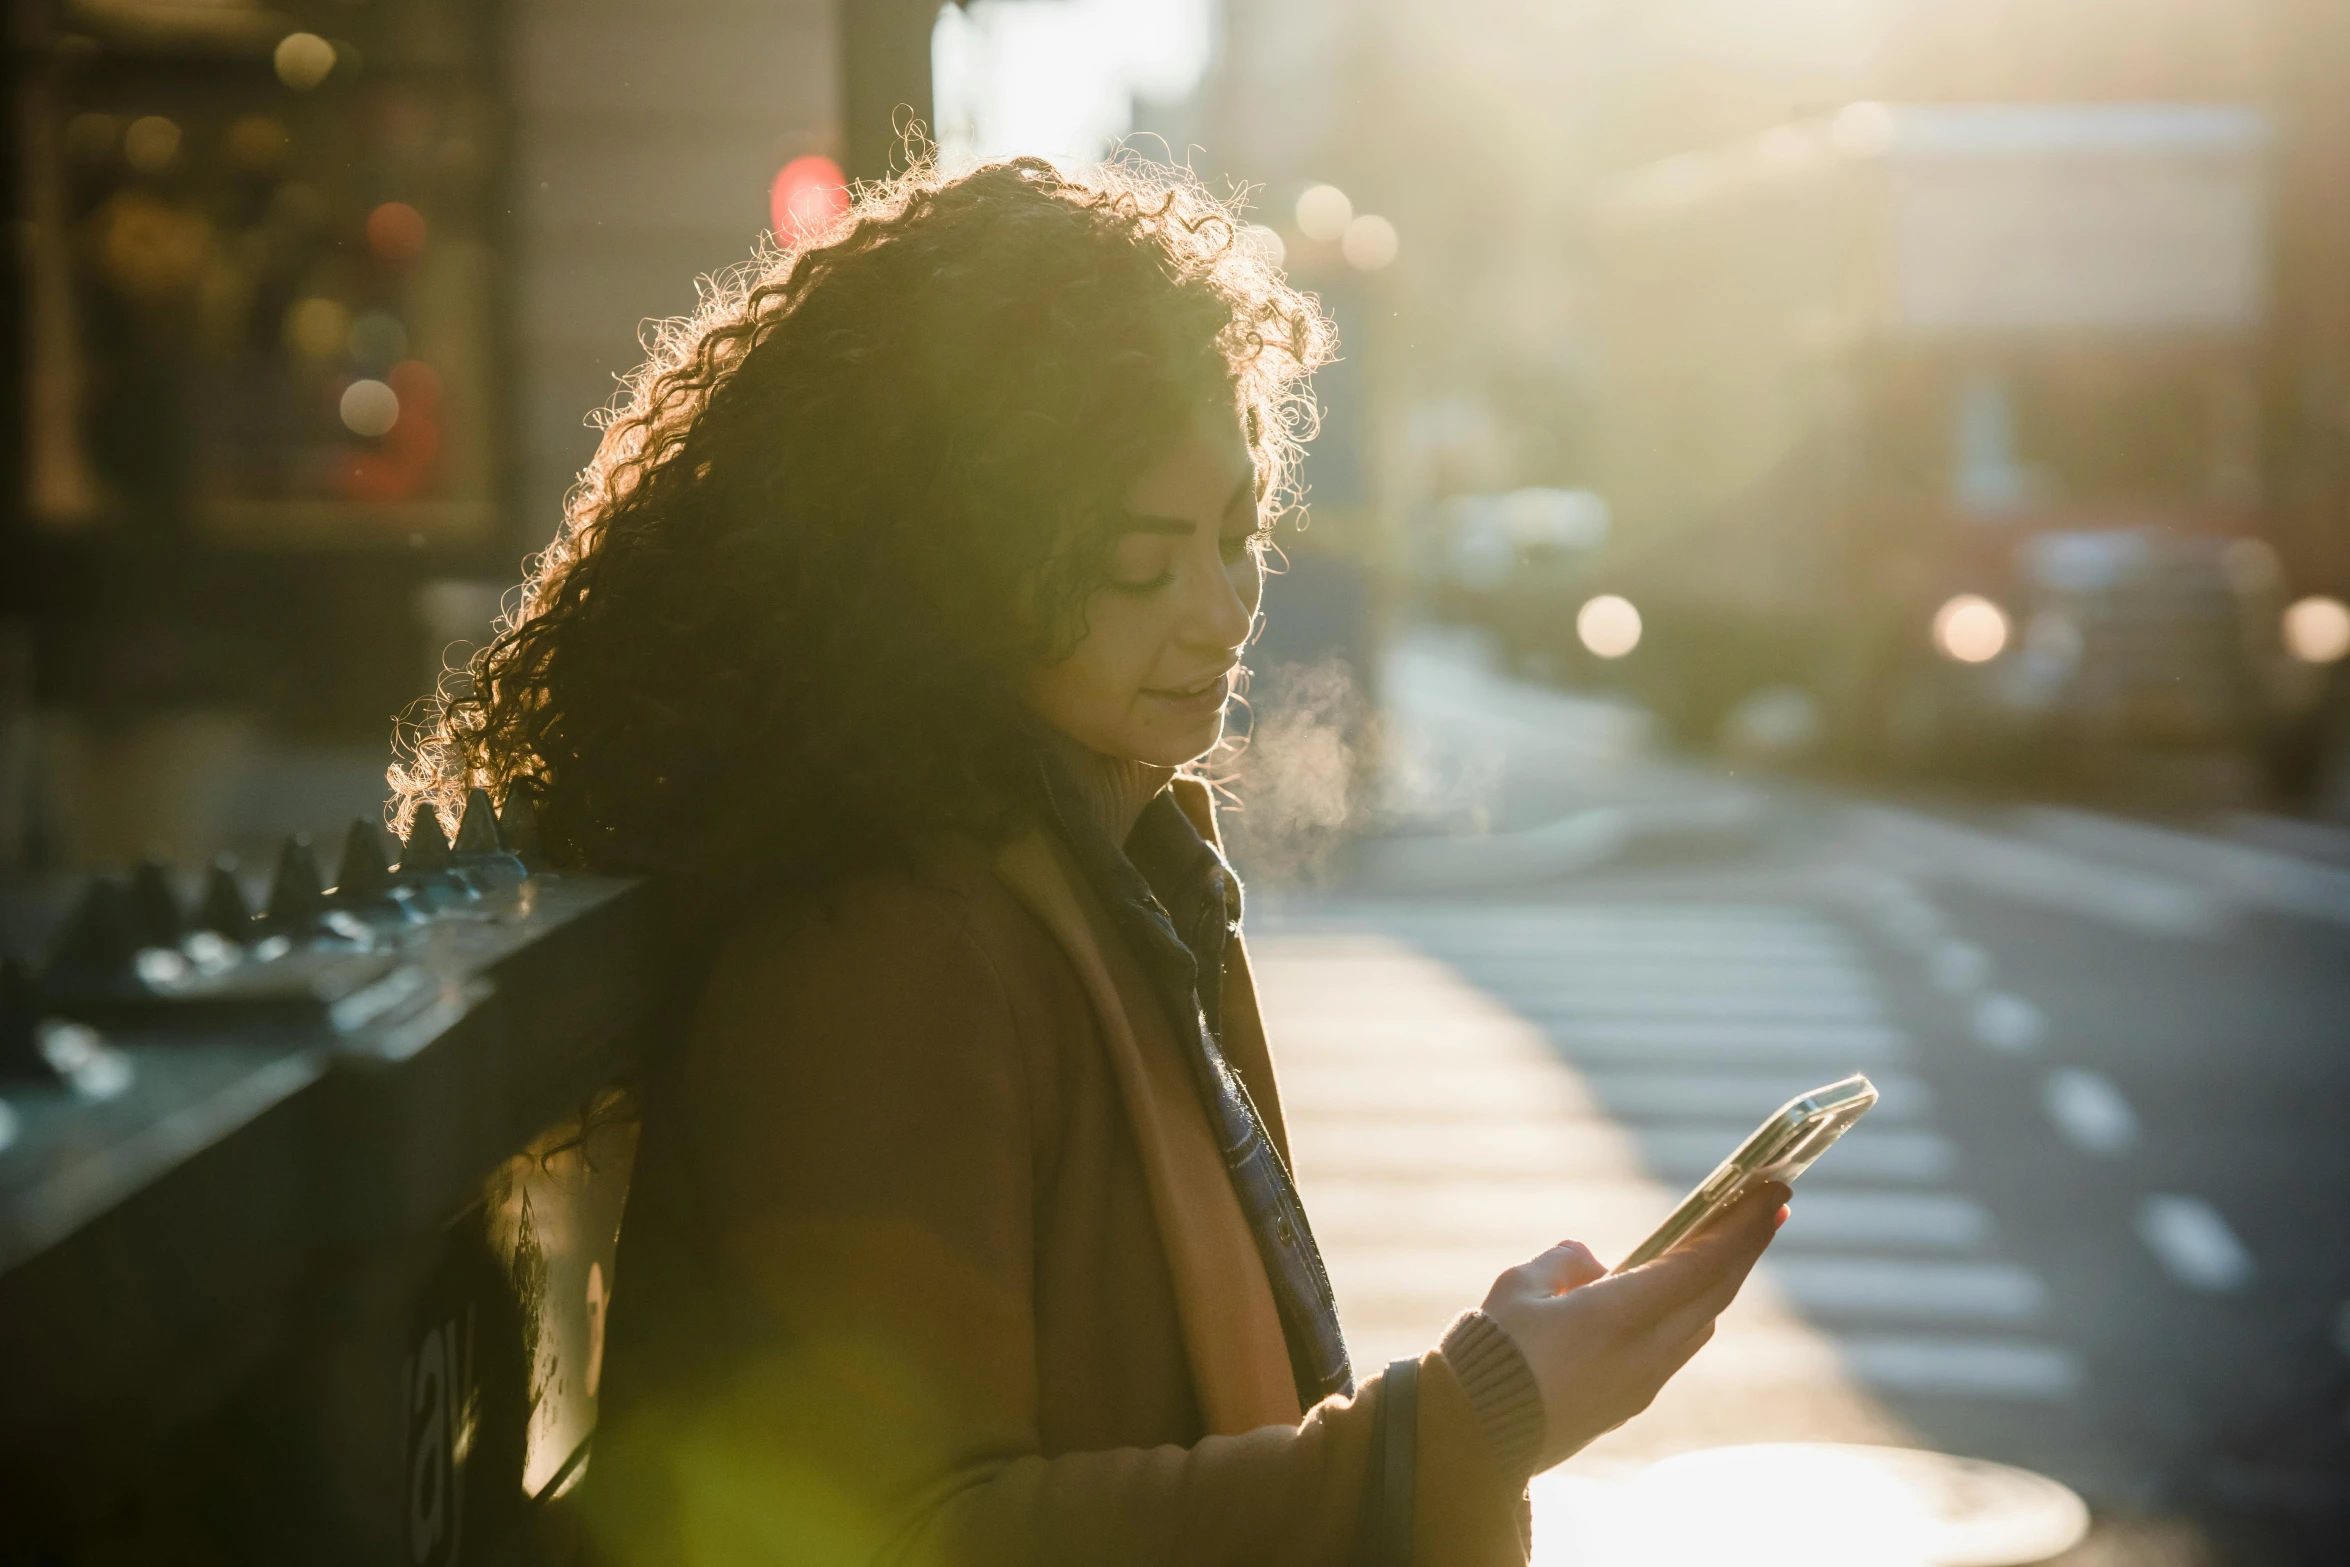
point(1781, 1149)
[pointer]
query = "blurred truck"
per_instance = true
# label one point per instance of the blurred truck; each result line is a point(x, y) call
point(1931, 434)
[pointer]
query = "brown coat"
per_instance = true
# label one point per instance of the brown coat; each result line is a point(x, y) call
point(933, 1259)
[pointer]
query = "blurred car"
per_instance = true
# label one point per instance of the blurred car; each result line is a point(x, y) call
point(2144, 639)
point(1934, 430)
point(1502, 560)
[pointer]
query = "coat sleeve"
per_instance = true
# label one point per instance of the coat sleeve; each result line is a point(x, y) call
point(859, 1114)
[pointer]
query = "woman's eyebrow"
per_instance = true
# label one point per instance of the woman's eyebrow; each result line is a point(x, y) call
point(1152, 522)
point(1243, 493)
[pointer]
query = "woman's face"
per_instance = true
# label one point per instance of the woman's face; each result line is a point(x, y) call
point(1164, 633)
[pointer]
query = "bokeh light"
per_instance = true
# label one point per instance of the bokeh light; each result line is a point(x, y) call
point(256, 143)
point(1971, 629)
point(1370, 242)
point(419, 387)
point(1323, 212)
point(2251, 565)
point(1266, 243)
point(152, 144)
point(369, 408)
point(395, 231)
point(2317, 629)
point(152, 250)
point(318, 328)
point(303, 60)
point(1608, 625)
point(806, 196)
point(377, 340)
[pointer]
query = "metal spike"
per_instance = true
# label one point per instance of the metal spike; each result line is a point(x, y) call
point(222, 908)
point(294, 896)
point(426, 849)
point(361, 874)
point(518, 825)
point(155, 908)
point(478, 832)
point(101, 936)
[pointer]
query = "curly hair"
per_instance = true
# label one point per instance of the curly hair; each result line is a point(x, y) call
point(845, 505)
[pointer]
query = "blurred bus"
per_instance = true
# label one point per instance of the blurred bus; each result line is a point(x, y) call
point(1934, 430)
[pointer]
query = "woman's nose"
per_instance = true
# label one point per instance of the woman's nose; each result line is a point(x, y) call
point(1224, 609)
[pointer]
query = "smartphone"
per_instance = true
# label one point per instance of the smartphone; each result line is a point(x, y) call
point(1781, 1149)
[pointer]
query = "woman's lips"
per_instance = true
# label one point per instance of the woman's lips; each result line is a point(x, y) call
point(1202, 699)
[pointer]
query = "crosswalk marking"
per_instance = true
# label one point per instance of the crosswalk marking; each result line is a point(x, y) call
point(1726, 1095)
point(1440, 1149)
point(1689, 1153)
point(1599, 1000)
point(1466, 1085)
point(1975, 1368)
point(1911, 1289)
point(1888, 1220)
point(2194, 1244)
point(2090, 1111)
point(1735, 973)
point(1861, 1044)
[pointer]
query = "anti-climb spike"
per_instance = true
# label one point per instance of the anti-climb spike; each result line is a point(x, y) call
point(477, 833)
point(518, 825)
point(425, 850)
point(294, 896)
point(155, 908)
point(222, 908)
point(361, 873)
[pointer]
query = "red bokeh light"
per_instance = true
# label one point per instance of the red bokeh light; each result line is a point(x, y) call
point(395, 231)
point(807, 195)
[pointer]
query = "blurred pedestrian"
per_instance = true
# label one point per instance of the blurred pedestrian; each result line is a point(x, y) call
point(904, 596)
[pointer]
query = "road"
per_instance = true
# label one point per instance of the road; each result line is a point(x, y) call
point(2095, 1230)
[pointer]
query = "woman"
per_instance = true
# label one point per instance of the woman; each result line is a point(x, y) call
point(912, 575)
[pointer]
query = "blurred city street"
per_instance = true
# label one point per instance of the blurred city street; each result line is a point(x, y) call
point(1803, 539)
point(2093, 1228)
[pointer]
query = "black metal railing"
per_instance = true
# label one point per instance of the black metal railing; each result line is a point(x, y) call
point(307, 1215)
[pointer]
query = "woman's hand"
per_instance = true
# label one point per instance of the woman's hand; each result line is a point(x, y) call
point(1602, 1347)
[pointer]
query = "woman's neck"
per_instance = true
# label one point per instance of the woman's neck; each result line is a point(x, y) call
point(1110, 790)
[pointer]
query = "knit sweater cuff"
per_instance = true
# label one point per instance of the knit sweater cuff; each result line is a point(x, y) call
point(1501, 1389)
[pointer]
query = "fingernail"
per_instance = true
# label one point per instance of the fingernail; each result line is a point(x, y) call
point(1780, 1217)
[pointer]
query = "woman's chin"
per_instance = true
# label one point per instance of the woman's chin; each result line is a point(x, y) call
point(1175, 744)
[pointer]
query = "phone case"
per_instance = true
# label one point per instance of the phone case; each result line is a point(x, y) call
point(1781, 1149)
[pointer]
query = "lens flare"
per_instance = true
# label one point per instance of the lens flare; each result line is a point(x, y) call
point(805, 197)
point(1323, 212)
point(1369, 243)
point(2317, 629)
point(317, 328)
point(152, 144)
point(369, 408)
point(303, 60)
point(1971, 629)
point(1266, 244)
point(1608, 625)
point(395, 231)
